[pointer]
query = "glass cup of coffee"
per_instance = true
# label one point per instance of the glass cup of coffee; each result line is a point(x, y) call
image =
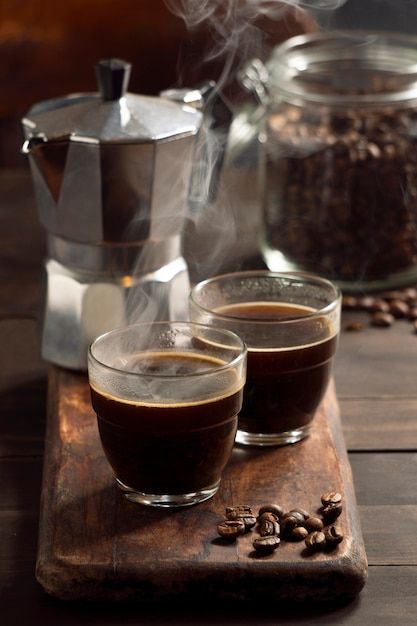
point(167, 396)
point(290, 323)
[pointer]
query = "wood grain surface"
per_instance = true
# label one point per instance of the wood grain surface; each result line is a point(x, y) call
point(95, 544)
point(375, 373)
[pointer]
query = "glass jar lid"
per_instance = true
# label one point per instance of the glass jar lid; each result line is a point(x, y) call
point(345, 68)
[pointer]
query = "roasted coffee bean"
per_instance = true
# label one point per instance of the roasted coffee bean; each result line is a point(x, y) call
point(399, 309)
point(242, 513)
point(392, 295)
point(366, 303)
point(331, 497)
point(301, 512)
point(315, 540)
point(236, 512)
point(326, 218)
point(231, 529)
point(299, 517)
point(276, 509)
point(268, 527)
point(412, 313)
point(313, 523)
point(288, 522)
point(349, 303)
point(410, 294)
point(383, 320)
point(330, 512)
point(266, 545)
point(267, 515)
point(355, 326)
point(299, 533)
point(333, 536)
point(249, 521)
point(380, 305)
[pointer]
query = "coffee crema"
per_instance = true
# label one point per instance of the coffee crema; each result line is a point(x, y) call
point(160, 447)
point(284, 384)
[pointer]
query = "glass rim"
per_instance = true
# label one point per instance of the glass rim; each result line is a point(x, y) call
point(241, 347)
point(328, 308)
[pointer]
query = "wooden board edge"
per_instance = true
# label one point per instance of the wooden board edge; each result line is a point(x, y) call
point(358, 562)
point(70, 581)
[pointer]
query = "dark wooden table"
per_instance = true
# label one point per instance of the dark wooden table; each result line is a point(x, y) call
point(376, 378)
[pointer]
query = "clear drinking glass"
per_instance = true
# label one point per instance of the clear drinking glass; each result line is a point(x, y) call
point(290, 323)
point(167, 396)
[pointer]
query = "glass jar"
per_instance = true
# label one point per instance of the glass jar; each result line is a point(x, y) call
point(339, 159)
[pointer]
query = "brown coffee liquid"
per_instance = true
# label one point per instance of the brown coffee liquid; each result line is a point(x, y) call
point(157, 448)
point(284, 386)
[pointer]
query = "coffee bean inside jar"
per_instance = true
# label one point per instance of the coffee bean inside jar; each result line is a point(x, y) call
point(339, 159)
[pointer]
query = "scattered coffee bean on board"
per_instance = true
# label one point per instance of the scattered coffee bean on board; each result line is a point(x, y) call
point(330, 512)
point(299, 517)
point(331, 497)
point(383, 320)
point(301, 512)
point(231, 529)
point(288, 523)
point(276, 509)
point(315, 540)
point(266, 545)
point(268, 527)
point(294, 525)
point(235, 512)
point(299, 533)
point(313, 523)
point(249, 521)
point(333, 536)
point(355, 326)
point(267, 515)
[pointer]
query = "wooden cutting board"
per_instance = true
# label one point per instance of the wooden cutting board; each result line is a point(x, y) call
point(94, 544)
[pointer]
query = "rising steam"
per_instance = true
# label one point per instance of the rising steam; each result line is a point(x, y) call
point(232, 23)
point(236, 33)
point(219, 227)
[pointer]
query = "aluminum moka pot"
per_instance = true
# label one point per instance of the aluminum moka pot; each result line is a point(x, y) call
point(111, 173)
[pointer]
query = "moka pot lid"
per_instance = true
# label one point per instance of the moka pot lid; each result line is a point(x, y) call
point(112, 115)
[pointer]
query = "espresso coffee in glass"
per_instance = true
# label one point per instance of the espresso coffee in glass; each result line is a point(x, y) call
point(167, 396)
point(290, 324)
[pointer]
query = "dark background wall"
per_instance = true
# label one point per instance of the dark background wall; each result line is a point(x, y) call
point(48, 48)
point(393, 15)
